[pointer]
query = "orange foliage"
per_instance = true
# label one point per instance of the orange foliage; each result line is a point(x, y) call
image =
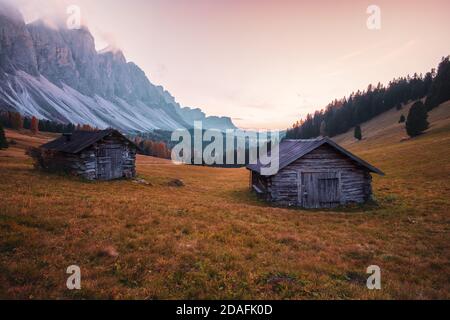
point(155, 149)
point(34, 125)
point(85, 127)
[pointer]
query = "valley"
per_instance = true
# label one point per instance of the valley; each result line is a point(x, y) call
point(212, 239)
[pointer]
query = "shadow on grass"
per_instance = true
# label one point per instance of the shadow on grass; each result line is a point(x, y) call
point(245, 196)
point(68, 177)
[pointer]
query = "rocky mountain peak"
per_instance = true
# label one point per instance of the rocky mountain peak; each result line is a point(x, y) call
point(57, 74)
point(16, 45)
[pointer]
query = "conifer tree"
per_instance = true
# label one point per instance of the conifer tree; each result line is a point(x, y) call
point(323, 129)
point(417, 123)
point(358, 133)
point(16, 120)
point(3, 141)
point(440, 88)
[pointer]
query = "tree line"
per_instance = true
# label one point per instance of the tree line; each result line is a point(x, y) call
point(152, 148)
point(16, 121)
point(155, 147)
point(344, 114)
point(239, 147)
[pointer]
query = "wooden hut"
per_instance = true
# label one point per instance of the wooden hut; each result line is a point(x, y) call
point(93, 155)
point(315, 173)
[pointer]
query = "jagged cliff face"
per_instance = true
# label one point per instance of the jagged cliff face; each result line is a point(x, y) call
point(57, 74)
point(16, 46)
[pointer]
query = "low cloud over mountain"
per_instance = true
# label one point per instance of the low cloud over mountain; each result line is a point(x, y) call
point(57, 74)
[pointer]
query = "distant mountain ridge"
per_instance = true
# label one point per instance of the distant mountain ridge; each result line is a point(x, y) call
point(57, 74)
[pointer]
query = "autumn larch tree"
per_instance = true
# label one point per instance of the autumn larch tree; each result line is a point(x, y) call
point(417, 123)
point(34, 125)
point(87, 127)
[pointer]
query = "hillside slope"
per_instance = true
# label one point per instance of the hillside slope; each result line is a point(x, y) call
point(386, 129)
point(213, 239)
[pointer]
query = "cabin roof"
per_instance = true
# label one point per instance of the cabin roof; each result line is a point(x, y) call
point(292, 150)
point(80, 140)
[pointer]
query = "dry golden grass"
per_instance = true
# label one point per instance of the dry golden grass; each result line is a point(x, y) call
point(212, 239)
point(385, 127)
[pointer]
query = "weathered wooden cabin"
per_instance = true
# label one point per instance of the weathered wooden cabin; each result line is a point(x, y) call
point(93, 155)
point(314, 173)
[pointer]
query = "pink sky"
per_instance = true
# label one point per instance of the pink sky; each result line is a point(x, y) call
point(265, 63)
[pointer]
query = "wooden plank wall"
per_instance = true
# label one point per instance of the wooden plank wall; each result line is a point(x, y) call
point(355, 180)
point(85, 164)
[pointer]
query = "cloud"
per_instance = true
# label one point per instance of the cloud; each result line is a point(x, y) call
point(332, 74)
point(47, 10)
point(9, 9)
point(399, 51)
point(350, 55)
point(54, 14)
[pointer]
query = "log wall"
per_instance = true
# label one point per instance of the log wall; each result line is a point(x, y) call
point(87, 163)
point(285, 188)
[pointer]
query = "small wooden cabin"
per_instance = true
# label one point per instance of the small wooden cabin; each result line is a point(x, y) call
point(93, 155)
point(315, 173)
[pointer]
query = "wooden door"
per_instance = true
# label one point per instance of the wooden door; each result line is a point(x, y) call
point(116, 162)
point(319, 189)
point(109, 163)
point(103, 166)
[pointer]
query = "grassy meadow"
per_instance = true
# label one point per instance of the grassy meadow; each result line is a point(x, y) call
point(212, 239)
